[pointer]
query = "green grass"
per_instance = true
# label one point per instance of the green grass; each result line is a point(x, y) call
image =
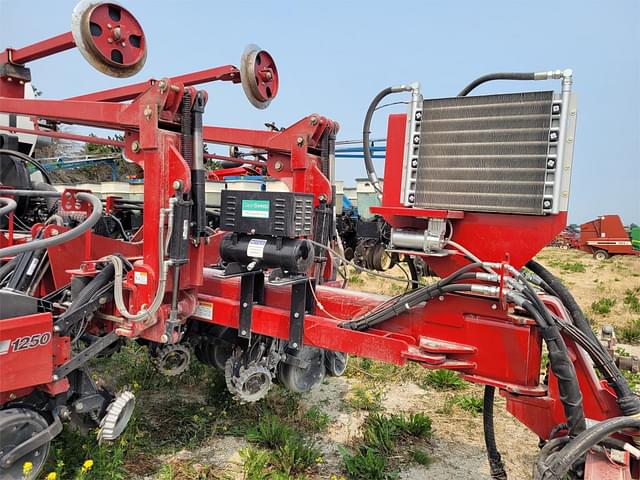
point(421, 457)
point(629, 333)
point(366, 464)
point(443, 380)
point(569, 267)
point(603, 306)
point(315, 419)
point(631, 299)
point(365, 397)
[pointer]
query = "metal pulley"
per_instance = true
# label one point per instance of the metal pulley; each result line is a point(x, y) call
point(109, 38)
point(259, 76)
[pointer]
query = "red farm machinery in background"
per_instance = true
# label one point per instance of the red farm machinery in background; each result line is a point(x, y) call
point(606, 236)
point(474, 186)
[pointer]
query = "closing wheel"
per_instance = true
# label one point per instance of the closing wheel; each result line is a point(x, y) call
point(109, 38)
point(335, 363)
point(382, 260)
point(601, 255)
point(259, 76)
point(302, 379)
point(16, 426)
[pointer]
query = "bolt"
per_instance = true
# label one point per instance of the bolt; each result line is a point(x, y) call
point(570, 140)
point(54, 232)
point(322, 198)
point(551, 163)
point(300, 141)
point(79, 406)
point(67, 194)
point(416, 139)
point(135, 146)
point(418, 116)
point(245, 305)
point(177, 185)
point(441, 298)
point(294, 345)
point(147, 112)
point(55, 378)
point(546, 204)
point(109, 40)
point(573, 113)
point(314, 120)
point(109, 26)
point(412, 198)
point(414, 163)
point(164, 338)
point(12, 396)
point(296, 315)
point(494, 306)
point(244, 332)
point(162, 85)
point(102, 300)
point(278, 165)
point(56, 328)
point(123, 44)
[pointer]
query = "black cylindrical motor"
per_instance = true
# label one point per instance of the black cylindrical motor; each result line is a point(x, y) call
point(293, 255)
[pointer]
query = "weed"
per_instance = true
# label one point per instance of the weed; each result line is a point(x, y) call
point(295, 457)
point(603, 306)
point(382, 431)
point(366, 464)
point(469, 403)
point(421, 457)
point(315, 419)
point(365, 398)
point(255, 462)
point(629, 333)
point(569, 267)
point(443, 380)
point(631, 299)
point(269, 432)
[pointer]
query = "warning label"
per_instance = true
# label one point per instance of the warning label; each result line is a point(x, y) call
point(204, 310)
point(255, 249)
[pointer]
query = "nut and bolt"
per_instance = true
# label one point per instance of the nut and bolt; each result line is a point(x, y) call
point(418, 116)
point(278, 165)
point(244, 332)
point(300, 141)
point(416, 139)
point(162, 85)
point(245, 305)
point(55, 378)
point(55, 233)
point(551, 163)
point(109, 40)
point(56, 328)
point(294, 345)
point(135, 146)
point(546, 204)
point(164, 338)
point(322, 198)
point(412, 198)
point(494, 306)
point(123, 44)
point(147, 112)
point(441, 298)
point(79, 406)
point(12, 396)
point(296, 315)
point(177, 185)
point(414, 163)
point(314, 120)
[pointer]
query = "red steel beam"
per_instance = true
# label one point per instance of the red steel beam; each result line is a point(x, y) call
point(38, 50)
point(226, 73)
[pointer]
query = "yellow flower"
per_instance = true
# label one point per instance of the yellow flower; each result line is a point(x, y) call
point(86, 466)
point(26, 468)
point(52, 476)
point(319, 460)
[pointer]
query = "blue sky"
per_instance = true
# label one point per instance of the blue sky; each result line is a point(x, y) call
point(334, 56)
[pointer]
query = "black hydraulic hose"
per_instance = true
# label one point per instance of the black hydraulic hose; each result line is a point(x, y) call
point(496, 76)
point(627, 400)
point(366, 131)
point(415, 281)
point(558, 464)
point(563, 369)
point(496, 466)
point(75, 232)
point(28, 159)
point(7, 268)
point(9, 205)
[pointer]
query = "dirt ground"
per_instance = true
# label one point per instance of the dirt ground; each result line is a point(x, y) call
point(457, 444)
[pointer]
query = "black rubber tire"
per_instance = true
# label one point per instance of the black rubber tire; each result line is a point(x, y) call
point(335, 363)
point(301, 380)
point(16, 426)
point(601, 255)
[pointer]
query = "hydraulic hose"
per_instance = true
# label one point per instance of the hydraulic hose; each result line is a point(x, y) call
point(496, 76)
point(628, 401)
point(9, 205)
point(28, 159)
point(558, 464)
point(75, 232)
point(496, 466)
point(366, 131)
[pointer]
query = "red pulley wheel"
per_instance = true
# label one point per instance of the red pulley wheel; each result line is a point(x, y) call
point(259, 76)
point(109, 38)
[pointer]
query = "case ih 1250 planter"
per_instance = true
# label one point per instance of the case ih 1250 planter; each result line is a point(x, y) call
point(474, 186)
